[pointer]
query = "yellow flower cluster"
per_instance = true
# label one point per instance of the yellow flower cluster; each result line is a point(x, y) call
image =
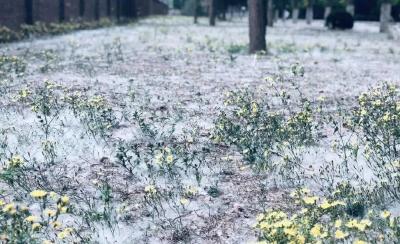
point(65, 233)
point(379, 104)
point(191, 191)
point(150, 190)
point(324, 223)
point(164, 156)
point(38, 194)
point(326, 204)
point(276, 226)
point(23, 94)
point(97, 102)
point(360, 225)
point(16, 161)
point(10, 208)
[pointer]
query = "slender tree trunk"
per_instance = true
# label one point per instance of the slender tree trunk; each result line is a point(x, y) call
point(109, 8)
point(61, 13)
point(151, 7)
point(231, 10)
point(119, 10)
point(270, 13)
point(223, 15)
point(257, 26)
point(196, 11)
point(328, 11)
point(350, 7)
point(276, 15)
point(29, 12)
point(295, 15)
point(309, 14)
point(97, 10)
point(385, 17)
point(212, 12)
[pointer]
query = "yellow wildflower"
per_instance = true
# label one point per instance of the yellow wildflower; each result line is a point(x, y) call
point(49, 212)
point(385, 214)
point(325, 205)
point(192, 190)
point(38, 194)
point(24, 93)
point(159, 158)
point(31, 218)
point(36, 226)
point(62, 235)
point(290, 231)
point(63, 209)
point(150, 189)
point(65, 199)
point(260, 217)
point(359, 242)
point(316, 231)
point(254, 108)
point(340, 234)
point(303, 211)
point(352, 223)
point(386, 117)
point(338, 223)
point(9, 208)
point(335, 203)
point(310, 200)
point(170, 158)
point(264, 225)
point(301, 239)
point(184, 201)
point(365, 223)
point(363, 112)
point(16, 161)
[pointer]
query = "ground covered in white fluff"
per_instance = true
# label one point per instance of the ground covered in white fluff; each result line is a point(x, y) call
point(178, 74)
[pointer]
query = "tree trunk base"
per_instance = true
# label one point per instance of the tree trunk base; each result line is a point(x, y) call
point(295, 15)
point(309, 15)
point(350, 9)
point(385, 17)
point(257, 25)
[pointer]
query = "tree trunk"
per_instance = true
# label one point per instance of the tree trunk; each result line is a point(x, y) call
point(270, 13)
point(29, 12)
point(196, 11)
point(295, 15)
point(109, 8)
point(385, 17)
point(61, 13)
point(257, 26)
point(276, 15)
point(151, 7)
point(212, 11)
point(350, 9)
point(97, 10)
point(328, 11)
point(223, 15)
point(309, 14)
point(118, 10)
